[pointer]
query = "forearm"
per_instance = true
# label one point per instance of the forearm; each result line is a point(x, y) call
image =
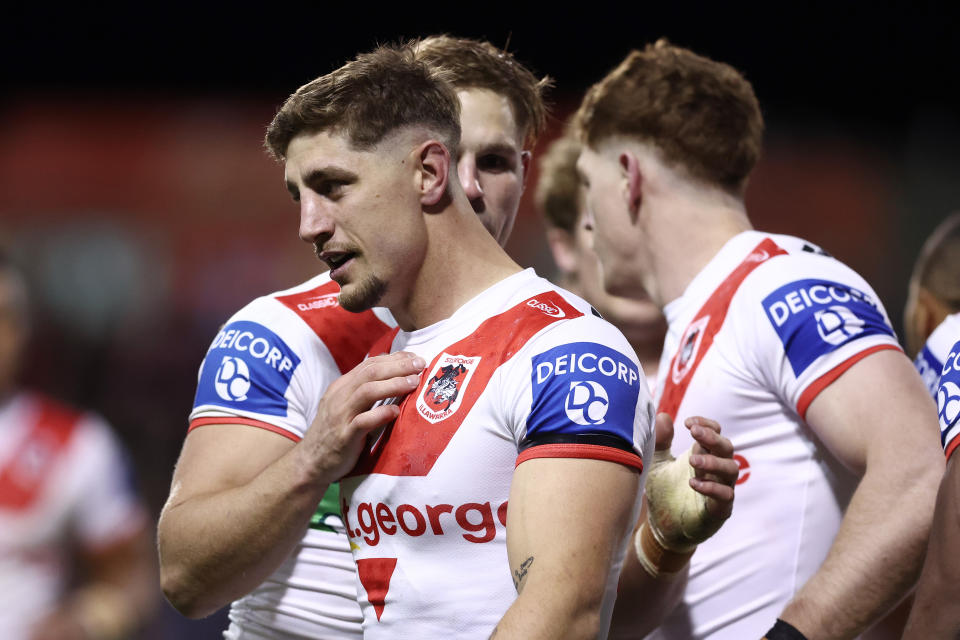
point(643, 601)
point(874, 559)
point(565, 615)
point(216, 547)
point(936, 609)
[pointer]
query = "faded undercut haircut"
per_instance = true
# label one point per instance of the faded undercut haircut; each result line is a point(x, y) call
point(368, 98)
point(938, 267)
point(558, 195)
point(702, 115)
point(475, 64)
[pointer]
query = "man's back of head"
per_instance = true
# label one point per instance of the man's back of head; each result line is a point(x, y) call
point(475, 64)
point(701, 115)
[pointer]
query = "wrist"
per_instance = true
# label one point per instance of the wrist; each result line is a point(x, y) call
point(656, 557)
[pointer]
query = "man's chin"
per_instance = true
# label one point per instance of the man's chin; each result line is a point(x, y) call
point(361, 296)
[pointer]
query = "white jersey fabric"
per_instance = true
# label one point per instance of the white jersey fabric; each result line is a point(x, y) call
point(64, 485)
point(268, 367)
point(938, 365)
point(768, 323)
point(524, 370)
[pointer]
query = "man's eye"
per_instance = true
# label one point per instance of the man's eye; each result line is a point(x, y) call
point(493, 163)
point(331, 188)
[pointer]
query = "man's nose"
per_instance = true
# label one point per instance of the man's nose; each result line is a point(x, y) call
point(315, 223)
point(469, 177)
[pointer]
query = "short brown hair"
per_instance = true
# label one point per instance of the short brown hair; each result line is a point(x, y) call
point(558, 195)
point(938, 267)
point(701, 114)
point(475, 64)
point(369, 97)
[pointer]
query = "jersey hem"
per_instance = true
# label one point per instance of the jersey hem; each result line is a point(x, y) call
point(201, 422)
point(821, 383)
point(585, 451)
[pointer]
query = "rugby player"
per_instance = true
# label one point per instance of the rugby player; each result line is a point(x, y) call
point(311, 591)
point(932, 314)
point(65, 502)
point(785, 346)
point(559, 198)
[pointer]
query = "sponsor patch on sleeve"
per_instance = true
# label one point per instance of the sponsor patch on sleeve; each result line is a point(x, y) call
point(948, 400)
point(583, 388)
point(247, 367)
point(815, 317)
point(929, 369)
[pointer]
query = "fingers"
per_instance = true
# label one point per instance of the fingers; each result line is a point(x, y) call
point(711, 467)
point(719, 497)
point(706, 434)
point(663, 425)
point(380, 378)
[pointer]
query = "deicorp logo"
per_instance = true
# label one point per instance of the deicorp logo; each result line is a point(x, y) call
point(948, 395)
point(814, 317)
point(248, 367)
point(583, 384)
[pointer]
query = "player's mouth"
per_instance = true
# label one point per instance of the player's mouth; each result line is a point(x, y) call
point(338, 261)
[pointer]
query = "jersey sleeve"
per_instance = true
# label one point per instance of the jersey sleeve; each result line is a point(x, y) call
point(108, 508)
point(806, 319)
point(948, 401)
point(265, 368)
point(577, 390)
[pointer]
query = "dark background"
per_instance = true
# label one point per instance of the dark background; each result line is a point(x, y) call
point(134, 190)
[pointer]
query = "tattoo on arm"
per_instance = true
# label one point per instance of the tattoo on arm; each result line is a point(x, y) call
point(521, 573)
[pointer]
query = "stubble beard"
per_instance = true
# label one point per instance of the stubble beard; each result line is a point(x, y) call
point(363, 295)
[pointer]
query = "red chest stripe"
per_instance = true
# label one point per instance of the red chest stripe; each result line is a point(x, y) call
point(348, 336)
point(23, 477)
point(412, 444)
point(698, 337)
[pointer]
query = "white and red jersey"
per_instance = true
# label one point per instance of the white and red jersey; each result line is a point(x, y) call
point(64, 485)
point(767, 324)
point(522, 371)
point(929, 362)
point(268, 367)
point(938, 366)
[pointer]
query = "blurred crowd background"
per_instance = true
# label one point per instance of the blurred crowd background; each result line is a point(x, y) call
point(135, 193)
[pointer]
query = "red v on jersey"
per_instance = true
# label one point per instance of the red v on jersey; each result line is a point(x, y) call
point(320, 310)
point(23, 476)
point(411, 445)
point(698, 336)
point(375, 574)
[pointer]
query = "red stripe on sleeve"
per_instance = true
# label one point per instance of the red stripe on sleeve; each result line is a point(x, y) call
point(586, 451)
point(250, 422)
point(824, 381)
point(952, 447)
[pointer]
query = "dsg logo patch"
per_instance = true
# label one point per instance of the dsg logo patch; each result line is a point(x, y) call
point(583, 387)
point(247, 367)
point(587, 402)
point(232, 381)
point(814, 317)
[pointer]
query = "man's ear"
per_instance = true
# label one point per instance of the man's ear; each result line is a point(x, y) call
point(632, 181)
point(525, 157)
point(434, 174)
point(561, 243)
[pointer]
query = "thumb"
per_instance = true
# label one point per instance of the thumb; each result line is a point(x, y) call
point(663, 424)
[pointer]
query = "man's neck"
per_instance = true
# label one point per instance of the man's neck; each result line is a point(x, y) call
point(462, 261)
point(683, 240)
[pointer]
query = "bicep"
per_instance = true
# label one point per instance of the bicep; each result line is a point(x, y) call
point(878, 407)
point(567, 519)
point(224, 456)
